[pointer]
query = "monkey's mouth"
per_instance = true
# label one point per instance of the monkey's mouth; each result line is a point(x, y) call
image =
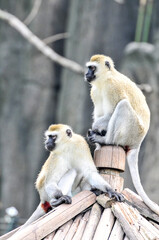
point(50, 147)
point(89, 77)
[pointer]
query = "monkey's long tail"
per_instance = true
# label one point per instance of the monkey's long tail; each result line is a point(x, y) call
point(132, 158)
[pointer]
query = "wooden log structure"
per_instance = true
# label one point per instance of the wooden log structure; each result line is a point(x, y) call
point(105, 218)
point(110, 161)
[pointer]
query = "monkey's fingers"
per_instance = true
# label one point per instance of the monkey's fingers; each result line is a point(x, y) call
point(118, 196)
point(90, 132)
point(64, 199)
point(56, 202)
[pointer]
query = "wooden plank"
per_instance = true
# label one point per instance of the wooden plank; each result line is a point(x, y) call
point(9, 234)
point(81, 227)
point(136, 201)
point(63, 230)
point(74, 227)
point(50, 236)
point(117, 232)
point(51, 221)
point(93, 221)
point(105, 225)
point(134, 225)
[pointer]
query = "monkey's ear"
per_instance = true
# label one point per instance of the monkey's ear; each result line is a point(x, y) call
point(69, 133)
point(107, 64)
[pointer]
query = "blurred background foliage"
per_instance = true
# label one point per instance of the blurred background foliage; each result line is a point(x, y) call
point(35, 91)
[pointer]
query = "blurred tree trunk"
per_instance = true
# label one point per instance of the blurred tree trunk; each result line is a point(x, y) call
point(95, 26)
point(28, 98)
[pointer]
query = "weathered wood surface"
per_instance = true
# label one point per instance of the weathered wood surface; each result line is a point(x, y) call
point(113, 179)
point(137, 202)
point(134, 225)
point(81, 227)
point(117, 232)
point(93, 221)
point(105, 225)
point(105, 201)
point(51, 221)
point(50, 236)
point(74, 227)
point(62, 231)
point(111, 157)
point(110, 161)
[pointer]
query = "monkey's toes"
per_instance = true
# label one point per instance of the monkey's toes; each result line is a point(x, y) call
point(67, 199)
point(118, 196)
point(89, 133)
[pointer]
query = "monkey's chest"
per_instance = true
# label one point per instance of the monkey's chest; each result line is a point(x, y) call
point(102, 104)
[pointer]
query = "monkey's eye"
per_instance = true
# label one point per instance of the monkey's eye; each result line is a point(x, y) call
point(93, 68)
point(52, 137)
point(107, 64)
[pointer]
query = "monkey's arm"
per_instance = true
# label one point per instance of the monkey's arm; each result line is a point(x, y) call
point(96, 181)
point(65, 185)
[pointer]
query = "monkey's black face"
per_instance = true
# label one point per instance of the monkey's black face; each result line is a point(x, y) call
point(90, 75)
point(50, 142)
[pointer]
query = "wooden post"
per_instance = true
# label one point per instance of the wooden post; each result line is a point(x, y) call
point(110, 161)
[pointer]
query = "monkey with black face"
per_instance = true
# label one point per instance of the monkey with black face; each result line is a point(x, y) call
point(68, 169)
point(121, 114)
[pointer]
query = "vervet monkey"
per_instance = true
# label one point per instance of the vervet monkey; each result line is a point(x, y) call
point(69, 165)
point(121, 115)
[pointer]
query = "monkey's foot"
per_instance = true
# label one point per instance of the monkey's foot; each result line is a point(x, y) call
point(118, 196)
point(63, 199)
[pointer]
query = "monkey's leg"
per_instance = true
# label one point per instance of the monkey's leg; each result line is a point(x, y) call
point(65, 185)
point(100, 124)
point(123, 128)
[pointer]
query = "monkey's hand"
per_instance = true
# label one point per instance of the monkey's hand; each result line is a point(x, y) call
point(96, 137)
point(118, 196)
point(100, 125)
point(63, 199)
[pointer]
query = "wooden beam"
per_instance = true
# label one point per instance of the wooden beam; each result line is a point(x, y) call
point(136, 201)
point(105, 225)
point(93, 221)
point(117, 232)
point(134, 225)
point(54, 219)
point(110, 161)
point(111, 157)
point(81, 227)
point(74, 227)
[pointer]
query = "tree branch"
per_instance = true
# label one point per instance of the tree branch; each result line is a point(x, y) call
point(39, 44)
point(55, 38)
point(33, 12)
